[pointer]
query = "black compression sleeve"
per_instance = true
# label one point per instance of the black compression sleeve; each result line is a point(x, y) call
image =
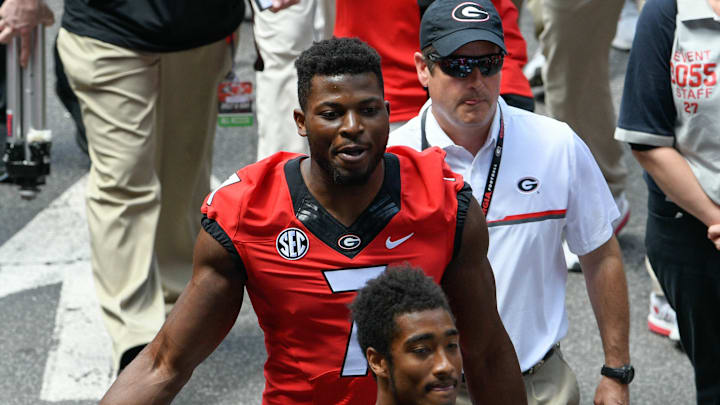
point(464, 196)
point(214, 229)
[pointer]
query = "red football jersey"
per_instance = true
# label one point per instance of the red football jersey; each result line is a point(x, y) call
point(303, 266)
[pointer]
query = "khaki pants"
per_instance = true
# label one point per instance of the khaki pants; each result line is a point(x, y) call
point(150, 120)
point(553, 383)
point(281, 37)
point(535, 8)
point(575, 40)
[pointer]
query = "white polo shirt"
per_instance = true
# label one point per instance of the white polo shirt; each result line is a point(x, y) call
point(548, 183)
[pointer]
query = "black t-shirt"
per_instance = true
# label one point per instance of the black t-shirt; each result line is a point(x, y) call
point(154, 25)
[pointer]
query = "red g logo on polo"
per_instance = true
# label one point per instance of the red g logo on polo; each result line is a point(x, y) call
point(470, 12)
point(292, 244)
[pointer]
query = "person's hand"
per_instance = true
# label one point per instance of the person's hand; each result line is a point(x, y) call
point(611, 392)
point(20, 17)
point(714, 235)
point(278, 5)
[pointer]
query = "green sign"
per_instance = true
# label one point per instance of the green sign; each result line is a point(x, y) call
point(235, 120)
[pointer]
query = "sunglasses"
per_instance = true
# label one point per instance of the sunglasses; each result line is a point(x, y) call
point(461, 66)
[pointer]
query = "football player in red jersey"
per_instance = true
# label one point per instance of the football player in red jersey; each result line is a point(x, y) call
point(303, 234)
point(409, 338)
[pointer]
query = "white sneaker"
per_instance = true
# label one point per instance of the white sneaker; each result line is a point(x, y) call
point(624, 207)
point(626, 26)
point(571, 259)
point(533, 69)
point(661, 319)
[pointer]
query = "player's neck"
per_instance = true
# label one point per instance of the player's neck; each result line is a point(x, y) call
point(344, 203)
point(384, 398)
point(384, 393)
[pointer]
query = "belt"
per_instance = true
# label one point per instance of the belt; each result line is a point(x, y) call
point(542, 361)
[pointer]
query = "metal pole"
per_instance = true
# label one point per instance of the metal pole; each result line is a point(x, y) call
point(27, 156)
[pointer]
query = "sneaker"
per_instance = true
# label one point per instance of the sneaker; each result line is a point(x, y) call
point(533, 69)
point(3, 171)
point(571, 259)
point(626, 27)
point(4, 178)
point(624, 207)
point(661, 319)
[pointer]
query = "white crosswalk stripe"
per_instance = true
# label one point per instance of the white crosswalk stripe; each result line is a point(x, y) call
point(54, 248)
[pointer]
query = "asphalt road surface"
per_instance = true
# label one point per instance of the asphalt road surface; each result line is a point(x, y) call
point(53, 348)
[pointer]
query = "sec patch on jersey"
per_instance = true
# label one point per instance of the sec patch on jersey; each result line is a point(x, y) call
point(292, 244)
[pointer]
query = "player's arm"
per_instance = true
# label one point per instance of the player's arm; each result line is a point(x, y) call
point(202, 317)
point(489, 360)
point(607, 289)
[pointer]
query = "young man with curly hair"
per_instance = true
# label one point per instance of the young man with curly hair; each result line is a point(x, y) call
point(408, 335)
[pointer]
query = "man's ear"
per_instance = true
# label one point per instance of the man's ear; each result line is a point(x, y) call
point(387, 107)
point(299, 117)
point(378, 363)
point(423, 71)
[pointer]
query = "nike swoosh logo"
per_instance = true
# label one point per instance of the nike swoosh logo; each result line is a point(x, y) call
point(390, 244)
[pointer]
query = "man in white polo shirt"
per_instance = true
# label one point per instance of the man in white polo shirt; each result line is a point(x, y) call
point(536, 181)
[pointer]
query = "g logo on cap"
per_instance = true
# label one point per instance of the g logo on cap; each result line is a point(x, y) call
point(470, 12)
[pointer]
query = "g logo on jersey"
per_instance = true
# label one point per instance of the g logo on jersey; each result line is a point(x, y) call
point(292, 244)
point(527, 185)
point(470, 12)
point(349, 242)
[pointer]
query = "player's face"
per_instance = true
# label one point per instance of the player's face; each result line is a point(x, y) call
point(426, 360)
point(346, 123)
point(462, 103)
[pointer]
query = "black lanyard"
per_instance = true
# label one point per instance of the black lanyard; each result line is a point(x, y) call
point(494, 164)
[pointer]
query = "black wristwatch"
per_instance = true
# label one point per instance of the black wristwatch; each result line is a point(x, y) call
point(624, 374)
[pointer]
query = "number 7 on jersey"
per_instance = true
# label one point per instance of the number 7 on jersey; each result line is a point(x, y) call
point(347, 280)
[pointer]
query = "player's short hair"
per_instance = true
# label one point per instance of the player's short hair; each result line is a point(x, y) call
point(397, 291)
point(335, 56)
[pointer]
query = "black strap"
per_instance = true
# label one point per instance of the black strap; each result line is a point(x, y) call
point(494, 164)
point(423, 140)
point(494, 168)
